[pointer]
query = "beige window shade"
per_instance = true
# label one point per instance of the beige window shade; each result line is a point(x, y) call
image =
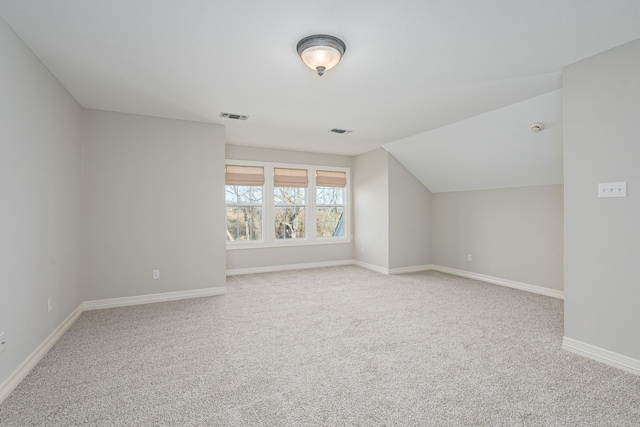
point(290, 178)
point(331, 179)
point(244, 175)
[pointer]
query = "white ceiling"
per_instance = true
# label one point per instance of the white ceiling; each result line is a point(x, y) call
point(491, 150)
point(410, 66)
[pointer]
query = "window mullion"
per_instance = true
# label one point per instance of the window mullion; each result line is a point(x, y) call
point(269, 205)
point(311, 202)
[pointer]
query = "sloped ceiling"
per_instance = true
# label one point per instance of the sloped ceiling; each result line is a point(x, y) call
point(410, 66)
point(492, 150)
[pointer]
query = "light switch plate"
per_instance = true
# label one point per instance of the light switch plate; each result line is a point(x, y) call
point(612, 189)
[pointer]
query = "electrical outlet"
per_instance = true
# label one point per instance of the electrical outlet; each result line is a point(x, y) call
point(469, 257)
point(156, 274)
point(49, 305)
point(2, 342)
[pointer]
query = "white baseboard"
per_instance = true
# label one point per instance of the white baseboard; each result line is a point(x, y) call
point(502, 282)
point(288, 267)
point(601, 355)
point(413, 269)
point(371, 267)
point(32, 360)
point(151, 298)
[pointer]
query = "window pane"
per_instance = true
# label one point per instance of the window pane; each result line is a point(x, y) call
point(289, 222)
point(329, 222)
point(249, 194)
point(330, 196)
point(289, 195)
point(244, 223)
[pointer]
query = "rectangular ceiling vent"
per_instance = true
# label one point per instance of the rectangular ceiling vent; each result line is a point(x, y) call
point(340, 131)
point(233, 116)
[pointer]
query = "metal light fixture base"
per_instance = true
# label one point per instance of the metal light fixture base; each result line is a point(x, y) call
point(321, 52)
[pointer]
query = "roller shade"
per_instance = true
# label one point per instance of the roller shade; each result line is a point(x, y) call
point(244, 175)
point(331, 179)
point(290, 178)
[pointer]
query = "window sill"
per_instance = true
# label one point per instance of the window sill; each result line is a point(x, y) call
point(252, 245)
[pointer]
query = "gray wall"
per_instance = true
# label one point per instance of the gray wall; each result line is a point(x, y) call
point(153, 199)
point(268, 257)
point(409, 218)
point(258, 154)
point(371, 208)
point(514, 234)
point(602, 236)
point(40, 180)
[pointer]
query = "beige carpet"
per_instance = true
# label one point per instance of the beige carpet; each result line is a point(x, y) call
point(335, 346)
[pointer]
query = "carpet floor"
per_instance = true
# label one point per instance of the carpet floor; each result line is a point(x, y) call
point(333, 346)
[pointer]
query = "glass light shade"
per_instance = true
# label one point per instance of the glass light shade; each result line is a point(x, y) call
point(321, 52)
point(321, 56)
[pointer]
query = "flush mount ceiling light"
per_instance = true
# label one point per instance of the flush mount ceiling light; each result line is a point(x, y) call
point(321, 52)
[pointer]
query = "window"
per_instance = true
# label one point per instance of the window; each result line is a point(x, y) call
point(289, 198)
point(272, 204)
point(330, 188)
point(244, 194)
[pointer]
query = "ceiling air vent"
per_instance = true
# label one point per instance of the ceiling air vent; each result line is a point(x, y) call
point(340, 131)
point(233, 116)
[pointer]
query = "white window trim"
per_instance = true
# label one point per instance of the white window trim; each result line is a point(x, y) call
point(268, 235)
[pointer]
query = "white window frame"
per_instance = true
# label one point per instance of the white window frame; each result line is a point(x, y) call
point(268, 208)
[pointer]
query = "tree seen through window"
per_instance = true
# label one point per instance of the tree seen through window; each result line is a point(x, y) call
point(289, 210)
point(244, 212)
